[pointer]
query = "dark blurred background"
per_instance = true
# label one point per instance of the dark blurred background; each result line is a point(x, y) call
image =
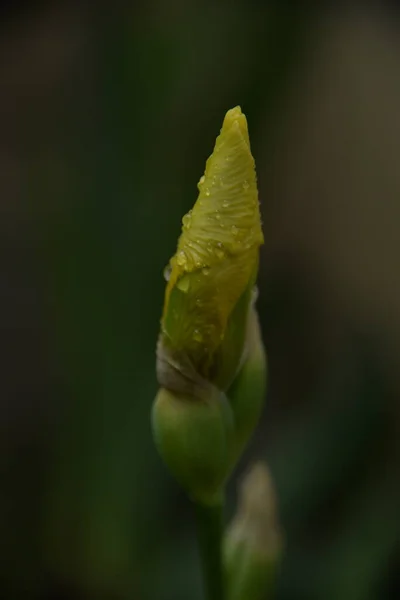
point(108, 112)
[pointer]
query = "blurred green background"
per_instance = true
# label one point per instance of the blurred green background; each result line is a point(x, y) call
point(108, 112)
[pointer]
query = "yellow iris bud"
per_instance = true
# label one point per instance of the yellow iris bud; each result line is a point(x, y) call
point(210, 359)
point(216, 260)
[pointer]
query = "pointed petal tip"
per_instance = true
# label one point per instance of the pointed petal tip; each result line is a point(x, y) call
point(236, 119)
point(234, 112)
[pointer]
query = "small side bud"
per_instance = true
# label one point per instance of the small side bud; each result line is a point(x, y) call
point(193, 438)
point(247, 393)
point(253, 542)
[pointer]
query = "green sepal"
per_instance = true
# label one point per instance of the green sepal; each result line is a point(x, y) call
point(193, 437)
point(247, 393)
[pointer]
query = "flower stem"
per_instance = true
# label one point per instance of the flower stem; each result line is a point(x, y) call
point(209, 532)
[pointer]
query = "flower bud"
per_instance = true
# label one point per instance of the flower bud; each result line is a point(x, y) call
point(253, 542)
point(210, 360)
point(193, 437)
point(214, 269)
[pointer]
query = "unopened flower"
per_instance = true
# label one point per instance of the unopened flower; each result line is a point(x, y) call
point(254, 540)
point(210, 358)
point(213, 272)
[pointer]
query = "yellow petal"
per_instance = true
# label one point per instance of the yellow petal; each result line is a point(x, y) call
point(217, 253)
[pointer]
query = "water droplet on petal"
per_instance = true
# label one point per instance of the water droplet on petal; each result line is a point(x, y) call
point(225, 204)
point(217, 215)
point(234, 230)
point(183, 284)
point(181, 258)
point(219, 252)
point(245, 185)
point(207, 192)
point(206, 271)
point(201, 181)
point(187, 219)
point(167, 272)
point(197, 336)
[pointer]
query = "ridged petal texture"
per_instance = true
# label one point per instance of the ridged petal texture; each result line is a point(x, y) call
point(217, 255)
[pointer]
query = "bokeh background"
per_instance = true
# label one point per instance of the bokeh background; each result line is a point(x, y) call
point(108, 112)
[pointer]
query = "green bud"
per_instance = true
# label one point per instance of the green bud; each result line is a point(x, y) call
point(253, 542)
point(210, 361)
point(193, 437)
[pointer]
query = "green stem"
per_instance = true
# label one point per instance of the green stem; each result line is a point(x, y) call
point(209, 532)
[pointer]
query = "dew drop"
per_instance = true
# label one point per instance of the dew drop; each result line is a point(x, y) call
point(219, 252)
point(207, 192)
point(199, 302)
point(245, 185)
point(183, 284)
point(225, 204)
point(206, 271)
point(201, 181)
point(187, 219)
point(234, 230)
point(217, 216)
point(181, 258)
point(197, 336)
point(167, 272)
